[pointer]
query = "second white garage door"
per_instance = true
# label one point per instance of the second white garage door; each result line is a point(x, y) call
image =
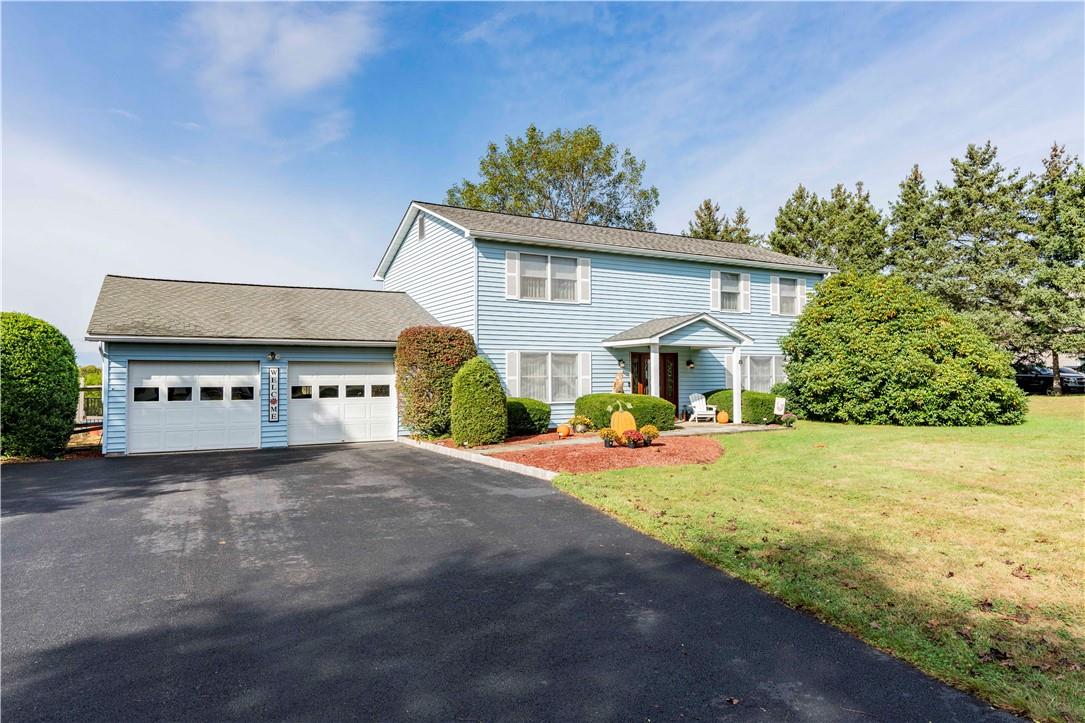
point(341, 402)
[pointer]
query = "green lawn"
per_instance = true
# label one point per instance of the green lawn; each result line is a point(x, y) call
point(960, 550)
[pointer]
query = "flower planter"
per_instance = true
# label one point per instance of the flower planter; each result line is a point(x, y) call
point(608, 442)
point(631, 444)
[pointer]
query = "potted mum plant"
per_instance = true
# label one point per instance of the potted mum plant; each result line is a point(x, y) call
point(650, 433)
point(634, 439)
point(580, 423)
point(609, 437)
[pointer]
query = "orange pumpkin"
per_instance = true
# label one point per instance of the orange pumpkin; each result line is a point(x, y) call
point(622, 422)
point(722, 417)
point(564, 430)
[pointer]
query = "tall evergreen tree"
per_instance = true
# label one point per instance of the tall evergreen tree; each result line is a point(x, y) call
point(852, 231)
point(1053, 301)
point(737, 230)
point(797, 229)
point(916, 248)
point(706, 222)
point(982, 214)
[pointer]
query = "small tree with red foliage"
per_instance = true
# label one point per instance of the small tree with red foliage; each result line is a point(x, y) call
point(427, 357)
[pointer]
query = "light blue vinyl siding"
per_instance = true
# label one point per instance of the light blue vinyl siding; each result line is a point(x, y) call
point(700, 332)
point(625, 291)
point(438, 272)
point(272, 434)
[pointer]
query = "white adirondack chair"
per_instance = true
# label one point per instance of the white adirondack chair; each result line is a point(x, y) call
point(702, 411)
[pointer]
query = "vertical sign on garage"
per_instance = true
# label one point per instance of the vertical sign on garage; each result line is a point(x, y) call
point(273, 394)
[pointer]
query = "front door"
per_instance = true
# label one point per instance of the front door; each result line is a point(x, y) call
point(641, 375)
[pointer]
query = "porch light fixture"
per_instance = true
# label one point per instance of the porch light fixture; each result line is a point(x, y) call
point(621, 363)
point(689, 363)
point(272, 355)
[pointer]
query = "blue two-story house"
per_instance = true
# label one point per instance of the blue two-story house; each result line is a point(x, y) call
point(558, 308)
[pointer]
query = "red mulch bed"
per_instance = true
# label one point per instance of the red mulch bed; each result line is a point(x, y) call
point(596, 457)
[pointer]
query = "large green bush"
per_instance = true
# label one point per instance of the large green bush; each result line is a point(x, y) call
point(873, 350)
point(646, 409)
point(427, 357)
point(479, 415)
point(527, 416)
point(39, 387)
point(756, 406)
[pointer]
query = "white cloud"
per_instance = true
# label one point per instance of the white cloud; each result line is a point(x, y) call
point(924, 103)
point(126, 114)
point(69, 219)
point(253, 59)
point(189, 126)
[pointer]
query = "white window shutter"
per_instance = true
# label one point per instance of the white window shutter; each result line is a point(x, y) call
point(512, 275)
point(774, 295)
point(745, 306)
point(512, 372)
point(584, 379)
point(802, 294)
point(583, 281)
point(729, 365)
point(714, 292)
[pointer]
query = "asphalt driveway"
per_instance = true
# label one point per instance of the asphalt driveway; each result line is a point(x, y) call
point(384, 582)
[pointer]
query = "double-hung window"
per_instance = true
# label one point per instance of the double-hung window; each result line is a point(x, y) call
point(763, 373)
point(789, 297)
point(533, 276)
point(730, 292)
point(552, 377)
point(543, 277)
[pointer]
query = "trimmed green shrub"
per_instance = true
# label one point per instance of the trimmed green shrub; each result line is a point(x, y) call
point(527, 416)
point(873, 350)
point(756, 406)
point(427, 357)
point(479, 415)
point(646, 409)
point(39, 387)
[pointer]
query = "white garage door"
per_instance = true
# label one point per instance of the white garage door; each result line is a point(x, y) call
point(178, 406)
point(341, 402)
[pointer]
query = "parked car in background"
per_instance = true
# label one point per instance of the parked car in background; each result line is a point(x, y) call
point(1038, 379)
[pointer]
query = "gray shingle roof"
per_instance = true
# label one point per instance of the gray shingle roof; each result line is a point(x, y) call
point(129, 306)
point(653, 327)
point(481, 223)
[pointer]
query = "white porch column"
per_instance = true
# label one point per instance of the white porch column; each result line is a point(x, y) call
point(736, 385)
point(653, 377)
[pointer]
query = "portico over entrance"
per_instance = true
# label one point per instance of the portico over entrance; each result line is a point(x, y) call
point(665, 354)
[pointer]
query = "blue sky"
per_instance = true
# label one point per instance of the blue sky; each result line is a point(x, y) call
point(282, 143)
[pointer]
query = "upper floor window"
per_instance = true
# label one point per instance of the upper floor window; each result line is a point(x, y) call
point(543, 277)
point(729, 291)
point(788, 295)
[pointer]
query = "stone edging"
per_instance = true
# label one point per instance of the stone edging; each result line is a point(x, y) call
point(467, 456)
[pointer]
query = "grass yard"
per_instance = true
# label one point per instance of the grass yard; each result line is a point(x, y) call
point(959, 550)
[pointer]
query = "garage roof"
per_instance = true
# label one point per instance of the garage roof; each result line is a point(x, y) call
point(159, 309)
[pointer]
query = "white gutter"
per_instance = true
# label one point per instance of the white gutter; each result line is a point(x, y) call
point(237, 340)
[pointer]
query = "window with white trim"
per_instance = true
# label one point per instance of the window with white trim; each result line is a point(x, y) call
point(533, 276)
point(563, 377)
point(730, 291)
point(789, 296)
point(534, 375)
point(763, 372)
point(552, 377)
point(542, 277)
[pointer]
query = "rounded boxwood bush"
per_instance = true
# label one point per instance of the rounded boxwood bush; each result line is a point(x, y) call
point(873, 350)
point(427, 357)
point(527, 416)
point(39, 387)
point(756, 406)
point(646, 409)
point(478, 405)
